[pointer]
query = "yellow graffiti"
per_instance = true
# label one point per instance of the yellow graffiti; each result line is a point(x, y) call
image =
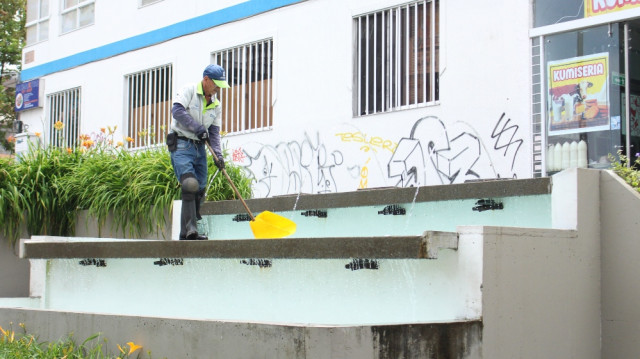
point(364, 174)
point(370, 143)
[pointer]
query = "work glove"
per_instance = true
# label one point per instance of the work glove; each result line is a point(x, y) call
point(219, 163)
point(202, 134)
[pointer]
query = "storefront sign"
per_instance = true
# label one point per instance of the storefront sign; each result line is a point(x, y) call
point(28, 95)
point(578, 94)
point(600, 7)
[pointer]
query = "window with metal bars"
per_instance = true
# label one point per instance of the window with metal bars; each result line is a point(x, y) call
point(149, 105)
point(247, 105)
point(63, 113)
point(396, 58)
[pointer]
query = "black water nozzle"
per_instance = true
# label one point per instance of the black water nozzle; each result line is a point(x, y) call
point(315, 213)
point(487, 204)
point(393, 209)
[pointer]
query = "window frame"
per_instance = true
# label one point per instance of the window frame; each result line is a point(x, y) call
point(75, 9)
point(393, 69)
point(150, 105)
point(256, 114)
point(39, 20)
point(60, 102)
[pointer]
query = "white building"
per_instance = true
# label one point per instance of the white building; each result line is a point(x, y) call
point(332, 96)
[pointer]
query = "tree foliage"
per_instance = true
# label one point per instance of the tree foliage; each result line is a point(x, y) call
point(12, 37)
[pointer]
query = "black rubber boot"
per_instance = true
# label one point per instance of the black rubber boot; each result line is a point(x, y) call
point(199, 200)
point(188, 216)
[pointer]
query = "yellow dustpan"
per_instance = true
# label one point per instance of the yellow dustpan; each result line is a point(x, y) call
point(266, 224)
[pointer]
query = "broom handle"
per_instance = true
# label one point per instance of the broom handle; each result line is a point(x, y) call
point(224, 172)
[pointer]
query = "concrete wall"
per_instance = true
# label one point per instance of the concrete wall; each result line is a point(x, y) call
point(541, 290)
point(87, 226)
point(538, 298)
point(619, 213)
point(14, 271)
point(480, 125)
point(177, 338)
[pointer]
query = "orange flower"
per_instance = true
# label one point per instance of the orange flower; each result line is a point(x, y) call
point(37, 134)
point(58, 125)
point(119, 144)
point(87, 143)
point(129, 139)
point(11, 139)
point(133, 347)
point(103, 130)
point(69, 150)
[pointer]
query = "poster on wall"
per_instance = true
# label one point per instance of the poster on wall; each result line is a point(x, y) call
point(28, 95)
point(601, 7)
point(578, 94)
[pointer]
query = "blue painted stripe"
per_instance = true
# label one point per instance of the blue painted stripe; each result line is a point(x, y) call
point(203, 22)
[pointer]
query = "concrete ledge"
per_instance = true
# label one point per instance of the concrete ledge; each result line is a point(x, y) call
point(393, 195)
point(398, 247)
point(179, 338)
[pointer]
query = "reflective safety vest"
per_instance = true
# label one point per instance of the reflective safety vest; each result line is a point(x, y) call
point(193, 100)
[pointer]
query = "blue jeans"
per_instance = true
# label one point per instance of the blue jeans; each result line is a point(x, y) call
point(190, 158)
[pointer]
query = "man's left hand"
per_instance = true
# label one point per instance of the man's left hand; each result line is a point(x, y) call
point(219, 163)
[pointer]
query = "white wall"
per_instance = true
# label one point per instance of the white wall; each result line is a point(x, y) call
point(482, 120)
point(116, 20)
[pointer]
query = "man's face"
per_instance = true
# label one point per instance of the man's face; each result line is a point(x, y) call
point(209, 87)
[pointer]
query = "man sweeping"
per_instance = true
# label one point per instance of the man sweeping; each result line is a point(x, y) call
point(196, 118)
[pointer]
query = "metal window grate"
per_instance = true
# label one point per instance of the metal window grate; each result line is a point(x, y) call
point(537, 106)
point(247, 105)
point(149, 105)
point(396, 62)
point(64, 107)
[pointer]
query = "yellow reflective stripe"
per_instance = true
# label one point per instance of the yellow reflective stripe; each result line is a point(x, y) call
point(214, 104)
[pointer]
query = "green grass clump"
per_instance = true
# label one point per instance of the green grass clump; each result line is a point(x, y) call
point(14, 345)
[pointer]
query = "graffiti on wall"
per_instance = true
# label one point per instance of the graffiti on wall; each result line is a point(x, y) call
point(304, 166)
point(433, 152)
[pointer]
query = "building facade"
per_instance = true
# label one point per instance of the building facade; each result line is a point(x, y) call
point(333, 96)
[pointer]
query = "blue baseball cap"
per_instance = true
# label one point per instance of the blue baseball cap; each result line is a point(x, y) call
point(217, 74)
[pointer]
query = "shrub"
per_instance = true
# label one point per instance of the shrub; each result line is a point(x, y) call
point(628, 172)
point(47, 186)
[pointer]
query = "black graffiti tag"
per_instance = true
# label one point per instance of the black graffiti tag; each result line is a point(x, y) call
point(504, 138)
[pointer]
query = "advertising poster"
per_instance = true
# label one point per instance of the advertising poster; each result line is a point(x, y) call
point(601, 7)
point(578, 94)
point(27, 95)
